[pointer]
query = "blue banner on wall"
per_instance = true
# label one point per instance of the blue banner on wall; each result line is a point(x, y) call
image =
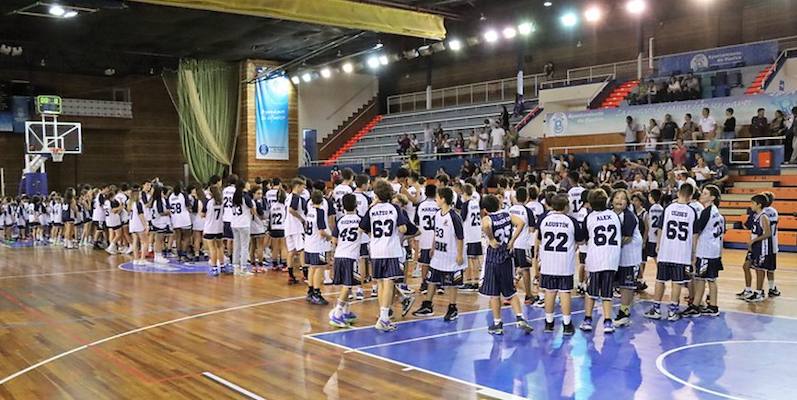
point(271, 107)
point(725, 57)
point(613, 120)
point(6, 121)
point(20, 106)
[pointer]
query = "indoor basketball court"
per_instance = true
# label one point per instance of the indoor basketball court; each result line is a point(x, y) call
point(415, 199)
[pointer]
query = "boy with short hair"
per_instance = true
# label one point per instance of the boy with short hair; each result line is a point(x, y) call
point(316, 247)
point(472, 225)
point(708, 261)
point(363, 201)
point(522, 253)
point(424, 220)
point(294, 226)
point(558, 234)
point(653, 221)
point(761, 250)
point(346, 237)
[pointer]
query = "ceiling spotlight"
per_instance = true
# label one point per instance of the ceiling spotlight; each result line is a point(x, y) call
point(306, 77)
point(70, 14)
point(569, 20)
point(548, 3)
point(593, 14)
point(410, 54)
point(4, 49)
point(509, 32)
point(295, 80)
point(454, 45)
point(491, 36)
point(383, 60)
point(635, 6)
point(525, 28)
point(326, 73)
point(16, 51)
point(348, 68)
point(373, 62)
point(425, 50)
point(378, 46)
point(57, 10)
point(110, 72)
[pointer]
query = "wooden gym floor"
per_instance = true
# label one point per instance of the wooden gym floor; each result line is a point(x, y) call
point(74, 326)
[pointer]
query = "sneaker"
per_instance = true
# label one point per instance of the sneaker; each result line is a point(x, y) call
point(337, 322)
point(641, 286)
point(608, 326)
point(586, 325)
point(496, 329)
point(523, 325)
point(111, 250)
point(359, 294)
point(691, 311)
point(540, 303)
point(213, 271)
point(406, 303)
point(755, 297)
point(374, 293)
point(743, 294)
point(426, 310)
point(441, 291)
point(774, 292)
point(529, 300)
point(350, 317)
point(673, 314)
point(227, 269)
point(159, 259)
point(245, 272)
point(385, 326)
point(622, 319)
point(321, 300)
point(452, 313)
point(568, 329)
point(548, 327)
point(710, 311)
point(424, 287)
point(292, 280)
point(403, 289)
point(653, 313)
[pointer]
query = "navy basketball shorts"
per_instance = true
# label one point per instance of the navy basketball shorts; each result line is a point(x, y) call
point(582, 258)
point(227, 231)
point(499, 280)
point(425, 258)
point(315, 260)
point(649, 251)
point(346, 272)
point(601, 284)
point(445, 278)
point(521, 258)
point(708, 269)
point(212, 236)
point(676, 273)
point(97, 224)
point(625, 277)
point(364, 250)
point(387, 268)
point(162, 231)
point(115, 228)
point(277, 233)
point(764, 262)
point(474, 249)
point(556, 283)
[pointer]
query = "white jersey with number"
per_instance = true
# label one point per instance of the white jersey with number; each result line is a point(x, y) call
point(697, 206)
point(558, 234)
point(574, 196)
point(337, 197)
point(136, 212)
point(772, 214)
point(122, 198)
point(294, 225)
point(410, 207)
point(524, 239)
point(226, 196)
point(159, 208)
point(678, 226)
point(654, 218)
point(424, 220)
point(631, 255)
point(98, 212)
point(363, 203)
point(316, 222)
point(604, 241)
point(276, 216)
point(213, 222)
point(382, 222)
point(448, 234)
point(536, 208)
point(242, 213)
point(270, 196)
point(472, 221)
point(711, 225)
point(178, 205)
point(347, 231)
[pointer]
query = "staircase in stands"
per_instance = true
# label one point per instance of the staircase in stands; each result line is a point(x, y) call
point(758, 84)
point(619, 94)
point(735, 202)
point(353, 140)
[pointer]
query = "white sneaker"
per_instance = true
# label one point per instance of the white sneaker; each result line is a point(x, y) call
point(111, 249)
point(129, 250)
point(160, 259)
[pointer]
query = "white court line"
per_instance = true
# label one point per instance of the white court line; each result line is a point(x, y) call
point(232, 386)
point(56, 273)
point(144, 328)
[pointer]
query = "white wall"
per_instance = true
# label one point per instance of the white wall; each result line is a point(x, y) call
point(326, 103)
point(571, 95)
point(786, 79)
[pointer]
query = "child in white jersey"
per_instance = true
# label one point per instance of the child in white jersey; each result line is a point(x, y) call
point(346, 238)
point(471, 224)
point(708, 261)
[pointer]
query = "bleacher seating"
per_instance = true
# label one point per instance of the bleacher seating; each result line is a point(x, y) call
point(382, 139)
point(735, 203)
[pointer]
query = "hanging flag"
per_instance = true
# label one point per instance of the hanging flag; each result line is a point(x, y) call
point(271, 106)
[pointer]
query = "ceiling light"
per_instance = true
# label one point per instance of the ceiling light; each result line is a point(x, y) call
point(410, 54)
point(70, 14)
point(425, 50)
point(295, 80)
point(547, 3)
point(593, 14)
point(569, 20)
point(348, 68)
point(57, 10)
point(306, 77)
point(491, 36)
point(383, 60)
point(373, 62)
point(454, 44)
point(525, 28)
point(509, 32)
point(326, 73)
point(378, 45)
point(636, 6)
point(110, 72)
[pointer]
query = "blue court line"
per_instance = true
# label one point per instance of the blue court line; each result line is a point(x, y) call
point(622, 365)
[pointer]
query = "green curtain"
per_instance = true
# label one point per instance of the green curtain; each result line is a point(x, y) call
point(207, 103)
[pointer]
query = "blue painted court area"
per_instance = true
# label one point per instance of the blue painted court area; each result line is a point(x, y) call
point(733, 356)
point(173, 267)
point(15, 244)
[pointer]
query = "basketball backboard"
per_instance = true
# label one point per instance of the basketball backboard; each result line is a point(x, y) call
point(40, 136)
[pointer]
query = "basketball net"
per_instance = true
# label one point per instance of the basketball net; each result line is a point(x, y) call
point(57, 153)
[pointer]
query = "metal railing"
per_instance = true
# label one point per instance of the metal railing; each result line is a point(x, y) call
point(784, 55)
point(393, 157)
point(348, 125)
point(659, 146)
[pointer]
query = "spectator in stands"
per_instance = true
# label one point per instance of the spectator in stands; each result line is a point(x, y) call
point(701, 172)
point(567, 180)
point(707, 125)
point(467, 170)
point(640, 184)
point(497, 140)
point(673, 89)
point(414, 164)
point(444, 144)
point(473, 141)
point(792, 124)
point(658, 173)
point(692, 87)
point(631, 131)
point(679, 153)
point(759, 126)
point(719, 173)
point(505, 118)
point(546, 180)
point(403, 144)
point(414, 145)
point(428, 140)
point(652, 183)
point(483, 139)
point(712, 149)
point(729, 126)
point(459, 146)
point(560, 164)
point(439, 130)
point(652, 134)
point(514, 155)
point(778, 125)
point(486, 169)
point(669, 130)
point(585, 172)
point(671, 184)
point(605, 175)
point(682, 177)
point(688, 128)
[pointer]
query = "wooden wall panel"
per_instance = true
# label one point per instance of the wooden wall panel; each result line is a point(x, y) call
point(246, 165)
point(114, 150)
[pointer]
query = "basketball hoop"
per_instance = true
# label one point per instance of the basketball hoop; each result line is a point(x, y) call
point(57, 153)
